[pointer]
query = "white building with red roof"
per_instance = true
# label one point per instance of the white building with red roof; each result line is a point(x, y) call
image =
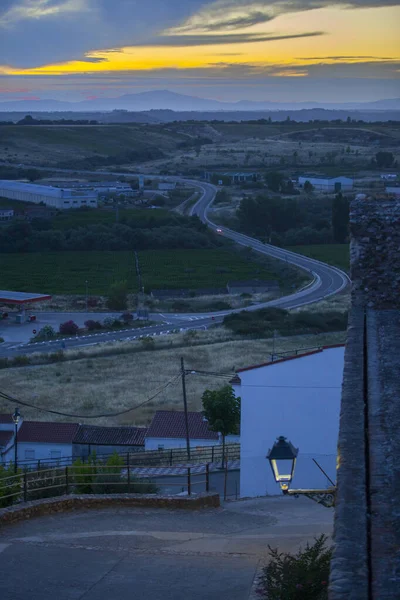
point(297, 397)
point(43, 441)
point(168, 430)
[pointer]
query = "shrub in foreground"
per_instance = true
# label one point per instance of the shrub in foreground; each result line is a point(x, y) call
point(301, 576)
point(69, 328)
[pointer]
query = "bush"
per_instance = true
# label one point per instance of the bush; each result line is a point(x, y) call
point(45, 333)
point(9, 486)
point(264, 322)
point(118, 296)
point(84, 475)
point(1, 340)
point(21, 361)
point(56, 356)
point(68, 328)
point(93, 325)
point(148, 343)
point(126, 317)
point(303, 576)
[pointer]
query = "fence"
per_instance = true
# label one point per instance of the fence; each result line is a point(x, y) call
point(99, 478)
point(173, 456)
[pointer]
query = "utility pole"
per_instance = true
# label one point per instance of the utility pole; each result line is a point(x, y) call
point(86, 297)
point(183, 373)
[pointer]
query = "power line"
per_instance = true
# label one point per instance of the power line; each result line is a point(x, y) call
point(116, 414)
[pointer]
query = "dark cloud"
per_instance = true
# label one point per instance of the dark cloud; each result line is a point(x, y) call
point(341, 58)
point(79, 27)
point(225, 38)
point(252, 18)
point(94, 59)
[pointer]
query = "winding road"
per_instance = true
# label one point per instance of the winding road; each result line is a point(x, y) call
point(327, 281)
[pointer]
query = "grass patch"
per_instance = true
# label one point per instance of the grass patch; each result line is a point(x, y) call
point(66, 272)
point(107, 378)
point(333, 254)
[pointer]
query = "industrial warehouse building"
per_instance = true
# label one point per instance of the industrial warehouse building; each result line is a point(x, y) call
point(50, 196)
point(328, 184)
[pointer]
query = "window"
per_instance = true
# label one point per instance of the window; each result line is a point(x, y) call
point(29, 454)
point(55, 454)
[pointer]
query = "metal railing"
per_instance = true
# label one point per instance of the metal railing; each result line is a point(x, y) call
point(170, 457)
point(99, 478)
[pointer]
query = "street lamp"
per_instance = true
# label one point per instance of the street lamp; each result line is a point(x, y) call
point(16, 417)
point(282, 458)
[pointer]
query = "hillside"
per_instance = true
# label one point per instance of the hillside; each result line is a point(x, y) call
point(96, 145)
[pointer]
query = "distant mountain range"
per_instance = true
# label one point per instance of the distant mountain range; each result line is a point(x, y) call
point(167, 100)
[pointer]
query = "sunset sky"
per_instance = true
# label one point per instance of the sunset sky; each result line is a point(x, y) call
point(279, 50)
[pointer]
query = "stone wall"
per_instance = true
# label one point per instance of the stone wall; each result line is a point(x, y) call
point(366, 561)
point(375, 253)
point(37, 508)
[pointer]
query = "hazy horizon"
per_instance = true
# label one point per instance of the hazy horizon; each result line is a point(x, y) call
point(227, 50)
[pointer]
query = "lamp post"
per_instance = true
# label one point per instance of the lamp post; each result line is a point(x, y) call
point(282, 458)
point(16, 417)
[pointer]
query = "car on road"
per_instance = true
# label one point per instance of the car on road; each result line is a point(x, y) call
point(219, 230)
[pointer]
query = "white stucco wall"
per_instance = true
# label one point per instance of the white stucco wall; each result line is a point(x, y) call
point(154, 443)
point(299, 399)
point(43, 451)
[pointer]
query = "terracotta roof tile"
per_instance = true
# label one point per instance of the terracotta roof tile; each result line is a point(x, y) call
point(110, 436)
point(51, 432)
point(6, 418)
point(5, 437)
point(171, 424)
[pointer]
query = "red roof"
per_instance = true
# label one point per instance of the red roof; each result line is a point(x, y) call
point(171, 424)
point(5, 418)
point(5, 437)
point(42, 431)
point(110, 436)
point(281, 360)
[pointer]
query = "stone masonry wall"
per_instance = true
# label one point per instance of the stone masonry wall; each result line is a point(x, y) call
point(375, 253)
point(37, 508)
point(366, 560)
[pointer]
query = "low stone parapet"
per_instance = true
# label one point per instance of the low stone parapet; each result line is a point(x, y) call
point(37, 508)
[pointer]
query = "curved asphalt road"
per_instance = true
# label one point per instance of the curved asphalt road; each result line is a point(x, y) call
point(326, 282)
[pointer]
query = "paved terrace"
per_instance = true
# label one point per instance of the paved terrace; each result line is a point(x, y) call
point(366, 565)
point(146, 553)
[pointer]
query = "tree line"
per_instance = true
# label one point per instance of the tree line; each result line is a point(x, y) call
point(26, 237)
point(295, 221)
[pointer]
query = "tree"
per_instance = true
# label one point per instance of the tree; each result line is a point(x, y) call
point(340, 218)
point(384, 159)
point(222, 196)
point(32, 174)
point(118, 296)
point(308, 187)
point(274, 180)
point(222, 410)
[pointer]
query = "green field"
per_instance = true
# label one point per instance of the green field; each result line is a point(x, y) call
point(66, 272)
point(333, 254)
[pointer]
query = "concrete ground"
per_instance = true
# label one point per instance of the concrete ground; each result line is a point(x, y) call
point(138, 553)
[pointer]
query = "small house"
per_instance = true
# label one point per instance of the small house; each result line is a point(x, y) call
point(168, 430)
point(105, 440)
point(45, 441)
